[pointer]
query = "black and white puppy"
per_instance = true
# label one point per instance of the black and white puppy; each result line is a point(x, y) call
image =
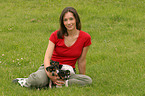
point(63, 71)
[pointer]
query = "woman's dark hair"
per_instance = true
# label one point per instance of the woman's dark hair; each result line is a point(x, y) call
point(62, 30)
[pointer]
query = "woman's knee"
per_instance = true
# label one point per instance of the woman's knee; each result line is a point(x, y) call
point(87, 79)
point(81, 79)
point(37, 80)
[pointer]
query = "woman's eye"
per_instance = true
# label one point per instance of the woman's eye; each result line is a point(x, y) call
point(71, 19)
point(65, 20)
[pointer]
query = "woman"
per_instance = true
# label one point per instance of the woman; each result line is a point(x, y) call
point(67, 46)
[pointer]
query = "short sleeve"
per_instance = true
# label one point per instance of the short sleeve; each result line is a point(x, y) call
point(53, 37)
point(87, 40)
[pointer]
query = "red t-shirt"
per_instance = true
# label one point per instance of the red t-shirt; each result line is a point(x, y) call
point(69, 55)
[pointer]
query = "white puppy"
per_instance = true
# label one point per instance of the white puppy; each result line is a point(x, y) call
point(68, 67)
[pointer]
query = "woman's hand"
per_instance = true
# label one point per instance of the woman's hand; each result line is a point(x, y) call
point(55, 79)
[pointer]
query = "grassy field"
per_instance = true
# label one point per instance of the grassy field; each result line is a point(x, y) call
point(116, 58)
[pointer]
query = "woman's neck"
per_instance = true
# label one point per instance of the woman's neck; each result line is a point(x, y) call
point(73, 32)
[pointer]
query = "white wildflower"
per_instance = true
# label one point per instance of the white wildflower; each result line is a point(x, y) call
point(3, 54)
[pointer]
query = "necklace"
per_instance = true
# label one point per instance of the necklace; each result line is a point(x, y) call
point(70, 40)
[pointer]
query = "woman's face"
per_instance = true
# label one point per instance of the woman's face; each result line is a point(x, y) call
point(69, 21)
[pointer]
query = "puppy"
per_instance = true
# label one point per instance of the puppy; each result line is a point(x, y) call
point(63, 71)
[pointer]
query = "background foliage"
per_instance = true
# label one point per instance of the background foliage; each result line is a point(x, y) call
point(116, 58)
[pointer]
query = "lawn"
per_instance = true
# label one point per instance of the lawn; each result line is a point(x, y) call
point(116, 58)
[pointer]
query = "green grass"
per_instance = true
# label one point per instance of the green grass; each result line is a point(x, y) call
point(116, 58)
